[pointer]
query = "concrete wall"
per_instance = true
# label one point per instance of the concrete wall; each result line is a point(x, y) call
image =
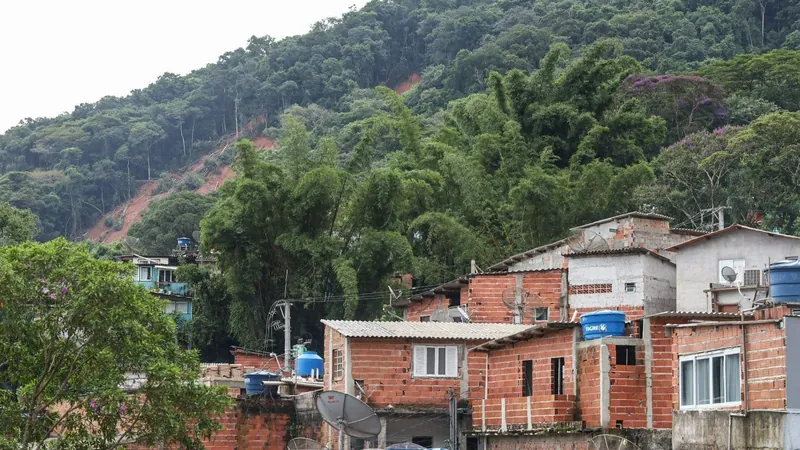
point(759, 430)
point(659, 285)
point(551, 259)
point(615, 270)
point(698, 264)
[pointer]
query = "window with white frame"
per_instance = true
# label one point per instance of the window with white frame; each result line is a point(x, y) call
point(338, 364)
point(178, 307)
point(736, 264)
point(436, 361)
point(166, 276)
point(541, 314)
point(710, 379)
point(145, 273)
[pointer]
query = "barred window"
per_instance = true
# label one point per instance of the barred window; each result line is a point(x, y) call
point(338, 364)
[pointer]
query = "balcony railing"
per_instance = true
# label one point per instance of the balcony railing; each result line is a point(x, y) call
point(181, 289)
point(519, 414)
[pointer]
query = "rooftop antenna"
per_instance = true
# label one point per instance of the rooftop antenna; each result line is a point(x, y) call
point(349, 415)
point(584, 241)
point(133, 244)
point(611, 442)
point(302, 443)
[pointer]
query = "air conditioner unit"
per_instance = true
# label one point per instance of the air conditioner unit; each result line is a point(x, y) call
point(752, 277)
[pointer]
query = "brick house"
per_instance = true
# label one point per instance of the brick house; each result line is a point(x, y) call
point(408, 371)
point(737, 382)
point(559, 276)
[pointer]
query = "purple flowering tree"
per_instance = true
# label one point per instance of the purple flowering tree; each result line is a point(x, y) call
point(689, 103)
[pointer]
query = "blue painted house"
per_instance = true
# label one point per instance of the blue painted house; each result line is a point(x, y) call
point(157, 275)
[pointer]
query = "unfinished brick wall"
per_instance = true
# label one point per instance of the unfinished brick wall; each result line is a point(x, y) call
point(485, 295)
point(334, 341)
point(250, 425)
point(259, 361)
point(385, 366)
point(589, 385)
point(627, 391)
point(425, 307)
point(506, 403)
point(661, 367)
point(765, 354)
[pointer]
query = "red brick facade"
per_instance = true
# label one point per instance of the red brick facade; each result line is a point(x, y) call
point(482, 297)
point(257, 360)
point(764, 357)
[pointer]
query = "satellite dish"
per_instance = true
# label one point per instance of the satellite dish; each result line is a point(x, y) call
point(196, 236)
point(729, 274)
point(405, 446)
point(583, 241)
point(522, 302)
point(133, 243)
point(348, 414)
point(611, 442)
point(302, 443)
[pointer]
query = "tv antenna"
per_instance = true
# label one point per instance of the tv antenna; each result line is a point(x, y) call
point(611, 442)
point(347, 414)
point(583, 241)
point(302, 443)
point(729, 274)
point(522, 302)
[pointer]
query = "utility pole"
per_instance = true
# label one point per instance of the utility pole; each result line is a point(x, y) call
point(287, 335)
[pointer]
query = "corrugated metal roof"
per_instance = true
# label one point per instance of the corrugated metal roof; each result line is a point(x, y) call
point(528, 333)
point(690, 231)
point(424, 330)
point(520, 256)
point(619, 251)
point(733, 227)
point(640, 214)
point(697, 315)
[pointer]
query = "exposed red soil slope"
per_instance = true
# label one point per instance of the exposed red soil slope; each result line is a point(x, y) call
point(131, 211)
point(412, 80)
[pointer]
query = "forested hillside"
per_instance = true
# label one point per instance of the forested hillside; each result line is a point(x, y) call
point(529, 118)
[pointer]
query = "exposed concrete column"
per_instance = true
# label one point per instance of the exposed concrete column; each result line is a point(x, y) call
point(605, 386)
point(382, 435)
point(648, 370)
point(349, 387)
point(575, 337)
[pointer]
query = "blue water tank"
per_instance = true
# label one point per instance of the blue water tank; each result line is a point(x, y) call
point(784, 281)
point(600, 324)
point(309, 363)
point(253, 386)
point(184, 242)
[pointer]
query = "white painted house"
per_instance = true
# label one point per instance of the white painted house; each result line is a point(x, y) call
point(701, 285)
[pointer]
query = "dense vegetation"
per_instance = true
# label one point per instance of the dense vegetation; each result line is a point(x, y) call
point(529, 119)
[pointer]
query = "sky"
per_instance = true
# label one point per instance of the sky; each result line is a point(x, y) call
point(56, 54)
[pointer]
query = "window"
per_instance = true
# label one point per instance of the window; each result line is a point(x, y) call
point(425, 441)
point(626, 355)
point(541, 314)
point(166, 276)
point(458, 319)
point(527, 378)
point(454, 298)
point(178, 307)
point(710, 379)
point(145, 274)
point(736, 264)
point(557, 376)
point(424, 318)
point(436, 361)
point(630, 287)
point(338, 364)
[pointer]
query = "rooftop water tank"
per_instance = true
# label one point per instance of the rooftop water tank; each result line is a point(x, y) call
point(600, 324)
point(184, 242)
point(308, 364)
point(784, 281)
point(253, 383)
